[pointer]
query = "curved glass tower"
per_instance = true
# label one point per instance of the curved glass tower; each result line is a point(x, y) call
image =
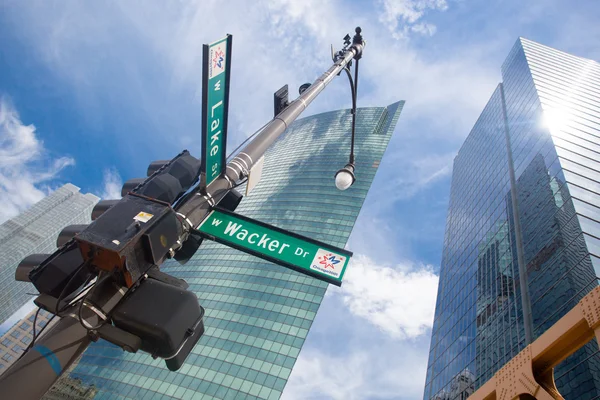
point(522, 241)
point(258, 314)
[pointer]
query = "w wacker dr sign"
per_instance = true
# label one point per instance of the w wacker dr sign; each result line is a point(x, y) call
point(305, 255)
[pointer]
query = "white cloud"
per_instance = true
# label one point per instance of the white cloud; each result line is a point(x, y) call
point(26, 171)
point(370, 338)
point(71, 38)
point(112, 184)
point(436, 107)
point(401, 16)
point(378, 229)
point(365, 371)
point(293, 48)
point(419, 173)
point(376, 234)
point(424, 29)
point(399, 300)
point(433, 84)
point(316, 375)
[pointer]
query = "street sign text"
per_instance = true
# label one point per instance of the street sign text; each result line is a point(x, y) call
point(215, 99)
point(300, 253)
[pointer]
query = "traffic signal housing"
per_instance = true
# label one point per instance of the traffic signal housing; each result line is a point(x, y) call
point(167, 181)
point(166, 317)
point(124, 245)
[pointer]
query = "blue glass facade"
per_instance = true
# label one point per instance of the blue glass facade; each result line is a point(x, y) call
point(258, 314)
point(524, 202)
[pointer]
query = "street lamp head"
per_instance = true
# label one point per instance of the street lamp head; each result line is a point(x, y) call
point(344, 178)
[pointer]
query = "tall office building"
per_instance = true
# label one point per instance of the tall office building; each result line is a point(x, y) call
point(523, 214)
point(17, 338)
point(257, 313)
point(35, 231)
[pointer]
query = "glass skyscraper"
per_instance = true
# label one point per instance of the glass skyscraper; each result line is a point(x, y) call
point(523, 216)
point(17, 338)
point(257, 313)
point(35, 231)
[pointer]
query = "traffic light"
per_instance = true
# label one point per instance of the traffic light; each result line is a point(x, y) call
point(68, 233)
point(167, 181)
point(125, 243)
point(166, 317)
point(60, 274)
point(131, 236)
point(101, 207)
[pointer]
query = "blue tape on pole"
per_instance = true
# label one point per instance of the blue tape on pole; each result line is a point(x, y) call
point(50, 357)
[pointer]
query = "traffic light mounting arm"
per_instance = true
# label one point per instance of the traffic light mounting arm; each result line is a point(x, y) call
point(197, 207)
point(65, 342)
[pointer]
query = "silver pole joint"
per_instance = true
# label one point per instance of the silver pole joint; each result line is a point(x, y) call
point(191, 226)
point(96, 311)
point(211, 201)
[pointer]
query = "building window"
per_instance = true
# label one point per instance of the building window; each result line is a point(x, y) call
point(24, 326)
point(15, 334)
point(7, 357)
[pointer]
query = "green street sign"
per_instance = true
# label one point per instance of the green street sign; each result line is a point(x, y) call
point(305, 255)
point(215, 107)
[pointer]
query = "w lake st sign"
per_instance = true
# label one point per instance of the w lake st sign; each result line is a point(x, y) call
point(215, 106)
point(305, 255)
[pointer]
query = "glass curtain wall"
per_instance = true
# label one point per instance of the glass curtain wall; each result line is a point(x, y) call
point(258, 314)
point(541, 126)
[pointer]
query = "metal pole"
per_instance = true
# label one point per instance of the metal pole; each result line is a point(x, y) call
point(353, 109)
point(254, 150)
point(357, 39)
point(354, 94)
point(198, 207)
point(38, 369)
point(33, 374)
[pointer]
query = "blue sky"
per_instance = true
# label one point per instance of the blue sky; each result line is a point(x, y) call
point(90, 92)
